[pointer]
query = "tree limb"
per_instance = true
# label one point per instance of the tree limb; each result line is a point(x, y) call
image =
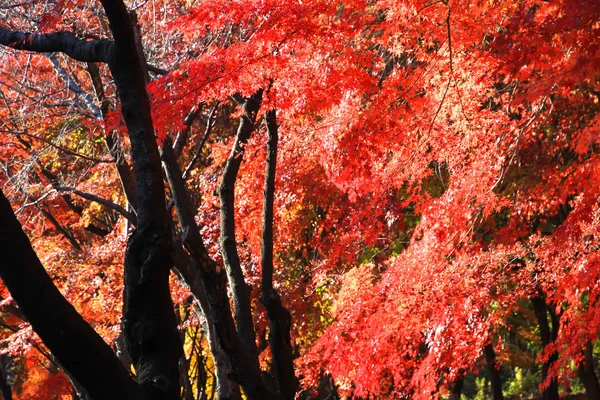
point(107, 203)
point(183, 134)
point(227, 241)
point(209, 125)
point(280, 319)
point(208, 283)
point(62, 42)
point(68, 336)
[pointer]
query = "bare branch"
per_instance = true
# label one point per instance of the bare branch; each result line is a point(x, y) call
point(58, 147)
point(63, 42)
point(156, 70)
point(75, 88)
point(210, 122)
point(107, 203)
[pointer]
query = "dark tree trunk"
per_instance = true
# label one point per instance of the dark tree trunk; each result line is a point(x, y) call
point(280, 319)
point(151, 335)
point(208, 282)
point(492, 367)
point(187, 268)
point(73, 342)
point(547, 335)
point(457, 388)
point(149, 323)
point(231, 260)
point(587, 373)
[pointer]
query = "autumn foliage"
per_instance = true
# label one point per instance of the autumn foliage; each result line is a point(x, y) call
point(436, 209)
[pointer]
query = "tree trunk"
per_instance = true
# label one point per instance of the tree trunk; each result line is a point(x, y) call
point(492, 367)
point(78, 348)
point(208, 282)
point(231, 260)
point(186, 268)
point(546, 336)
point(151, 335)
point(280, 319)
point(587, 374)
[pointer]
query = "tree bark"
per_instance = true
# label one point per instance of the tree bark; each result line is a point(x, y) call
point(151, 335)
point(280, 319)
point(208, 282)
point(546, 336)
point(187, 268)
point(63, 42)
point(72, 341)
point(149, 323)
point(587, 374)
point(492, 367)
point(231, 260)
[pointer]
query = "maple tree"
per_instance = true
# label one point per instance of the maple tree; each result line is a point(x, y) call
point(227, 198)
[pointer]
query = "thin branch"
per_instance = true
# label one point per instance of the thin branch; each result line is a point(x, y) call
point(107, 203)
point(156, 70)
point(75, 88)
point(58, 147)
point(35, 202)
point(210, 122)
point(183, 134)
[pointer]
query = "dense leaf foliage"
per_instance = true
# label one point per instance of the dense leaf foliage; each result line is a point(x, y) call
point(438, 173)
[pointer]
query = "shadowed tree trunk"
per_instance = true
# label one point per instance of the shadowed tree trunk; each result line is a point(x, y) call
point(587, 373)
point(208, 282)
point(151, 335)
point(231, 260)
point(280, 319)
point(547, 335)
point(492, 367)
point(89, 360)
